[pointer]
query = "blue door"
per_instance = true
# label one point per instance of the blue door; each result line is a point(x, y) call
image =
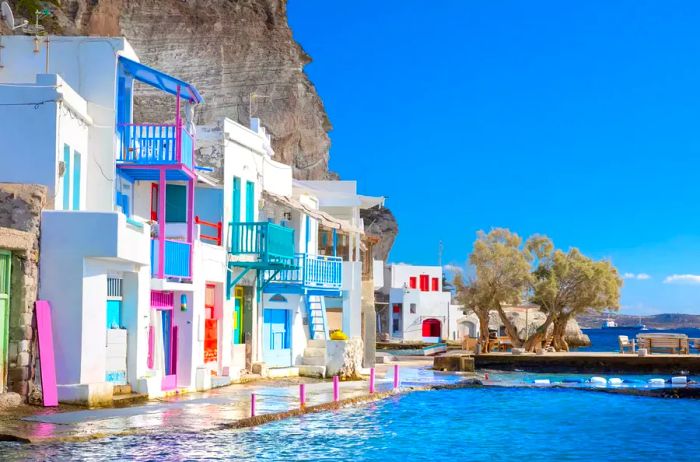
point(277, 350)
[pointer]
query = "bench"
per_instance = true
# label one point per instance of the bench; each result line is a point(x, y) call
point(675, 344)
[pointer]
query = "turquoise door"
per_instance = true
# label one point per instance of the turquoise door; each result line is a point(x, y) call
point(277, 350)
point(236, 199)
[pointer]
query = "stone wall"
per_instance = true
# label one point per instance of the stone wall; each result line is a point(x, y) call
point(20, 218)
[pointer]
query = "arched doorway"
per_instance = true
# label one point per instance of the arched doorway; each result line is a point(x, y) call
point(431, 328)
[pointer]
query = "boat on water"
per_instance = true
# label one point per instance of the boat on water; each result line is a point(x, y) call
point(609, 323)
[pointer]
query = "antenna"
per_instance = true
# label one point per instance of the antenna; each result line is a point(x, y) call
point(9, 18)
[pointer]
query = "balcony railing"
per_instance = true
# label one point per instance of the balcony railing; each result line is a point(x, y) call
point(268, 241)
point(214, 228)
point(177, 258)
point(150, 144)
point(314, 272)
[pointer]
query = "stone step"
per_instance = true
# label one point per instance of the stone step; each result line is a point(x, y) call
point(312, 371)
point(122, 389)
point(314, 360)
point(281, 372)
point(314, 351)
point(317, 343)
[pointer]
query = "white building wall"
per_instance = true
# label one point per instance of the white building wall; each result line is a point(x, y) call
point(45, 116)
point(79, 251)
point(88, 65)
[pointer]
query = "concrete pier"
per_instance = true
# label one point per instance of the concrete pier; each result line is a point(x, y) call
point(590, 362)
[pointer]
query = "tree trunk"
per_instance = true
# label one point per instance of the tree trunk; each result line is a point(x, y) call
point(540, 335)
point(484, 331)
point(559, 342)
point(510, 327)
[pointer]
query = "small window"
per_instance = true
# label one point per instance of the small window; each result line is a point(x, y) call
point(424, 281)
point(114, 302)
point(436, 285)
point(412, 282)
point(413, 308)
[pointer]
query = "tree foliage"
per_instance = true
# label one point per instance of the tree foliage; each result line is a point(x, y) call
point(562, 284)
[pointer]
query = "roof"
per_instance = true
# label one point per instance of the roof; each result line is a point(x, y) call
point(160, 80)
point(324, 218)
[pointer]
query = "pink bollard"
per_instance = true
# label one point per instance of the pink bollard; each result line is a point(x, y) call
point(397, 381)
point(252, 405)
point(371, 380)
point(336, 388)
point(302, 395)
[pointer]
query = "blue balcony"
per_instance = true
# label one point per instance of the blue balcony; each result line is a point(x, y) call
point(272, 245)
point(313, 273)
point(177, 263)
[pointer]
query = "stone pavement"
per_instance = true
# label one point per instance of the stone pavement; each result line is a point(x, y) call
point(193, 412)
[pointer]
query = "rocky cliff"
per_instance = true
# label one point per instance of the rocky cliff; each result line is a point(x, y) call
point(240, 54)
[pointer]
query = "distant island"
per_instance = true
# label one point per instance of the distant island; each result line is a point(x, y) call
point(657, 321)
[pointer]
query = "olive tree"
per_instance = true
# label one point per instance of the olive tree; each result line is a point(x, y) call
point(502, 274)
point(567, 284)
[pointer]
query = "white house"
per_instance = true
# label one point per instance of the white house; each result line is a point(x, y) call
point(418, 308)
point(124, 269)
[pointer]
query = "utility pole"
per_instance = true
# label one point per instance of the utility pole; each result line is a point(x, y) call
point(440, 249)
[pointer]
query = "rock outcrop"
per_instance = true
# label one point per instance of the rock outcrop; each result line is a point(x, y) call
point(379, 221)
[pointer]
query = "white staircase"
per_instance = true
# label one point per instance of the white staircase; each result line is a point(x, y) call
point(316, 314)
point(313, 363)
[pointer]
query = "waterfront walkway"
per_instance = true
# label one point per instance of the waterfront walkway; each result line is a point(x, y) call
point(191, 412)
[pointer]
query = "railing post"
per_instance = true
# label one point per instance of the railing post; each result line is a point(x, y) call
point(302, 395)
point(218, 233)
point(336, 388)
point(178, 132)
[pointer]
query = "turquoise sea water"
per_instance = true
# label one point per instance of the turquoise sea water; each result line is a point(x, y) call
point(482, 424)
point(606, 339)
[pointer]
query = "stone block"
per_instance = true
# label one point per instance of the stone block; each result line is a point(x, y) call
point(454, 363)
point(10, 400)
point(17, 374)
point(23, 359)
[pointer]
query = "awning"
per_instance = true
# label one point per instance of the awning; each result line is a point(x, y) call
point(323, 218)
point(160, 80)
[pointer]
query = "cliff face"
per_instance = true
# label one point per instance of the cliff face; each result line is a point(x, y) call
point(379, 221)
point(239, 53)
point(234, 51)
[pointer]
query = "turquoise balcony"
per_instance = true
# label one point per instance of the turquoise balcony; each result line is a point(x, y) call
point(317, 273)
point(151, 144)
point(271, 245)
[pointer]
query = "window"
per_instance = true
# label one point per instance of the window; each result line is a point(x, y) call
point(413, 308)
point(66, 177)
point(436, 285)
point(76, 180)
point(250, 201)
point(236, 199)
point(412, 282)
point(424, 281)
point(114, 302)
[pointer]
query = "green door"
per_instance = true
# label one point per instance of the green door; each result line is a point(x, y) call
point(5, 257)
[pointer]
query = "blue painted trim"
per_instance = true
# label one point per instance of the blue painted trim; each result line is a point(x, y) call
point(134, 223)
point(160, 80)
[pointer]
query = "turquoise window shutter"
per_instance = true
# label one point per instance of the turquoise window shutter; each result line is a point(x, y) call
point(175, 203)
point(76, 181)
point(66, 177)
point(249, 201)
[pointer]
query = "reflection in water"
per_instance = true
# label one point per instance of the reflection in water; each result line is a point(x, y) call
point(469, 424)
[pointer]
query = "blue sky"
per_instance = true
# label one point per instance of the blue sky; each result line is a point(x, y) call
point(579, 120)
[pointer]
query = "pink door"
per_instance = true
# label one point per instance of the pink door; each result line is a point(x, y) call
point(163, 303)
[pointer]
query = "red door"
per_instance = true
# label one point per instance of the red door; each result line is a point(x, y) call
point(431, 328)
